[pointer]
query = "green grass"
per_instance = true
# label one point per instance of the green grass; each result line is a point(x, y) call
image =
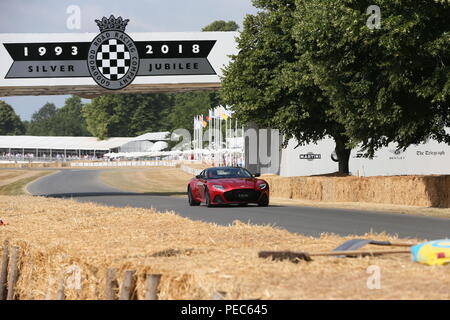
point(17, 187)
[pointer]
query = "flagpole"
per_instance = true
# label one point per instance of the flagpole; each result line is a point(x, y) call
point(195, 132)
point(200, 131)
point(226, 133)
point(215, 136)
point(216, 131)
point(209, 128)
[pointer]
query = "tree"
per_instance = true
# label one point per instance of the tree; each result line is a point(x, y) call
point(65, 121)
point(390, 84)
point(127, 114)
point(190, 104)
point(68, 120)
point(10, 123)
point(41, 123)
point(221, 25)
point(268, 84)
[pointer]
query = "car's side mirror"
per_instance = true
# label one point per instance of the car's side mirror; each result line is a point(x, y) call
point(198, 177)
point(257, 175)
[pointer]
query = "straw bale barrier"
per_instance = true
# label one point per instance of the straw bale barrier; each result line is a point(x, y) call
point(428, 191)
point(35, 165)
point(61, 240)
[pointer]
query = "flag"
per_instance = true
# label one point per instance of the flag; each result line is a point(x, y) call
point(203, 122)
point(222, 113)
point(197, 124)
point(214, 113)
point(228, 112)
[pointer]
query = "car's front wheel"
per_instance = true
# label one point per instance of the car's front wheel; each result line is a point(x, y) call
point(264, 201)
point(192, 201)
point(208, 198)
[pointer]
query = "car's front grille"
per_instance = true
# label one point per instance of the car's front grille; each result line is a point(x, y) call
point(244, 195)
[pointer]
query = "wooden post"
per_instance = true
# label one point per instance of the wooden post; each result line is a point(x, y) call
point(60, 295)
point(4, 274)
point(13, 274)
point(127, 292)
point(151, 286)
point(112, 286)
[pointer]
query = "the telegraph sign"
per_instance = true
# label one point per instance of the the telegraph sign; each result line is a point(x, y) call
point(113, 59)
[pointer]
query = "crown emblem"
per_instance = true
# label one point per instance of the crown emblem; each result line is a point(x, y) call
point(112, 23)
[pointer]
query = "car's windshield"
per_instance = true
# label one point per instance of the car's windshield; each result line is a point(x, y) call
point(223, 173)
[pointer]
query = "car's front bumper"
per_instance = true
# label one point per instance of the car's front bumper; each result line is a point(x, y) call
point(236, 196)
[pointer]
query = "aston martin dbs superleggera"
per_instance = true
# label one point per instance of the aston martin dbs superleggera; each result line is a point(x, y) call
point(227, 185)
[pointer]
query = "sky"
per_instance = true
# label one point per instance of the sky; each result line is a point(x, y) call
point(50, 16)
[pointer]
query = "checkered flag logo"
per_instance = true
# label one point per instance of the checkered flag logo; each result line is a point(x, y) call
point(113, 59)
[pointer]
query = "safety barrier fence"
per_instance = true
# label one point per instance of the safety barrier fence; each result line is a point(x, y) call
point(190, 170)
point(125, 164)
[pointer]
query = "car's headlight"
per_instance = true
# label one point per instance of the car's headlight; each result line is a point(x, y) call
point(262, 185)
point(218, 187)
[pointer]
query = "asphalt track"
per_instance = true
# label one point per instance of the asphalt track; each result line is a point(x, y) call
point(84, 185)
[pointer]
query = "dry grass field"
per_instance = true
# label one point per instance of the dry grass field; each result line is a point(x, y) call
point(149, 180)
point(12, 182)
point(194, 258)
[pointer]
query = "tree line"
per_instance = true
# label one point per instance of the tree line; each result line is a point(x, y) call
point(121, 115)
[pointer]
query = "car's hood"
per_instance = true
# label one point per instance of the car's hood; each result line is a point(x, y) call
point(235, 183)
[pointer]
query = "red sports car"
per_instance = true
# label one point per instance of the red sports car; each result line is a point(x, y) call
point(227, 185)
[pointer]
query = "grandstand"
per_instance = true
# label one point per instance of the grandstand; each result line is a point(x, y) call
point(38, 148)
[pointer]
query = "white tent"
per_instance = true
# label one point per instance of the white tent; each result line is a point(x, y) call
point(60, 143)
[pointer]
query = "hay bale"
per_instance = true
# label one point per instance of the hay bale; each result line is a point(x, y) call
point(307, 188)
point(58, 237)
point(428, 191)
point(280, 187)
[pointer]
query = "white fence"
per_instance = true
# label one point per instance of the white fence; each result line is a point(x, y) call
point(190, 170)
point(125, 164)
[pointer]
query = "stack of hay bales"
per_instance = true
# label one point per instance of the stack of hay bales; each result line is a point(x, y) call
point(36, 165)
point(429, 191)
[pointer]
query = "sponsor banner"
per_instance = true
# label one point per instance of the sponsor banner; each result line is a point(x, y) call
point(310, 156)
point(427, 158)
point(112, 58)
point(431, 153)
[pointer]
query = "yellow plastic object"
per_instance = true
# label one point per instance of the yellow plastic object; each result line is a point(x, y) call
point(432, 253)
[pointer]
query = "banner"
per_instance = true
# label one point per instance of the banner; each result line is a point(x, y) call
point(33, 64)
